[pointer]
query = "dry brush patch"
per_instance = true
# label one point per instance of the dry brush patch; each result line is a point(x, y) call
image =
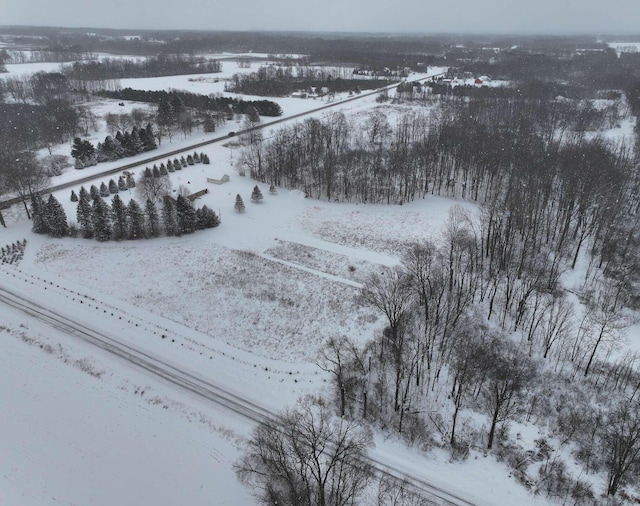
point(321, 260)
point(239, 297)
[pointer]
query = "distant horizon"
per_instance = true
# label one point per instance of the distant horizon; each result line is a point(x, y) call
point(133, 31)
point(469, 17)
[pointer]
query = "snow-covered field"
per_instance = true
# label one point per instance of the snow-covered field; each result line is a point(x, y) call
point(247, 304)
point(624, 47)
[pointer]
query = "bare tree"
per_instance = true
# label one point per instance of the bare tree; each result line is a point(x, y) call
point(620, 440)
point(151, 187)
point(508, 371)
point(333, 359)
point(24, 177)
point(307, 457)
point(391, 293)
point(606, 318)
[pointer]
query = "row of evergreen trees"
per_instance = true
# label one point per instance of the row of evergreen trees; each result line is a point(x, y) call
point(139, 140)
point(176, 164)
point(96, 219)
point(124, 183)
point(13, 253)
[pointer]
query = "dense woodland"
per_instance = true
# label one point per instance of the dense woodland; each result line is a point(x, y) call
point(480, 321)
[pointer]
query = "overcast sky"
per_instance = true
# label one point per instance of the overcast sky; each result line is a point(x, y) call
point(425, 16)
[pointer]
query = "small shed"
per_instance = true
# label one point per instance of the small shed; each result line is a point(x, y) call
point(224, 179)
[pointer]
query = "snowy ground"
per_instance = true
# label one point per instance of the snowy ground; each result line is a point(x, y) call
point(247, 304)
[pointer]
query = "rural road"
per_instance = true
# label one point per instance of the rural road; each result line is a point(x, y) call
point(81, 180)
point(200, 386)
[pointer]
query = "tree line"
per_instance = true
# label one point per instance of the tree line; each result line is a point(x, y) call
point(281, 81)
point(156, 66)
point(203, 102)
point(96, 219)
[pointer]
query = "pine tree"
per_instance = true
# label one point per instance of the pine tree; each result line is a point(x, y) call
point(147, 137)
point(102, 220)
point(119, 219)
point(163, 170)
point(186, 215)
point(136, 142)
point(183, 161)
point(153, 219)
point(113, 187)
point(169, 220)
point(205, 159)
point(104, 190)
point(56, 218)
point(94, 192)
point(82, 150)
point(74, 197)
point(207, 218)
point(136, 221)
point(272, 189)
point(196, 157)
point(39, 216)
point(176, 164)
point(170, 167)
point(156, 171)
point(84, 215)
point(256, 194)
point(83, 193)
point(131, 182)
point(122, 183)
point(239, 205)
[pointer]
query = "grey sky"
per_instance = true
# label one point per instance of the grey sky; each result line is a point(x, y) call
point(428, 16)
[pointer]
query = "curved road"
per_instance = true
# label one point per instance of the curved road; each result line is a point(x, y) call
point(201, 386)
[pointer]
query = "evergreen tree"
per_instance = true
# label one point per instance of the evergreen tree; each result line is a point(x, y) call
point(82, 150)
point(84, 215)
point(185, 215)
point(156, 171)
point(272, 189)
point(190, 160)
point(131, 182)
point(183, 161)
point(94, 192)
point(153, 219)
point(102, 220)
point(56, 218)
point(136, 142)
point(239, 205)
point(136, 220)
point(122, 183)
point(83, 193)
point(207, 218)
point(104, 190)
point(205, 159)
point(196, 157)
point(118, 219)
point(109, 150)
point(170, 167)
point(163, 170)
point(176, 164)
point(74, 197)
point(113, 187)
point(39, 216)
point(169, 219)
point(127, 144)
point(256, 194)
point(150, 142)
